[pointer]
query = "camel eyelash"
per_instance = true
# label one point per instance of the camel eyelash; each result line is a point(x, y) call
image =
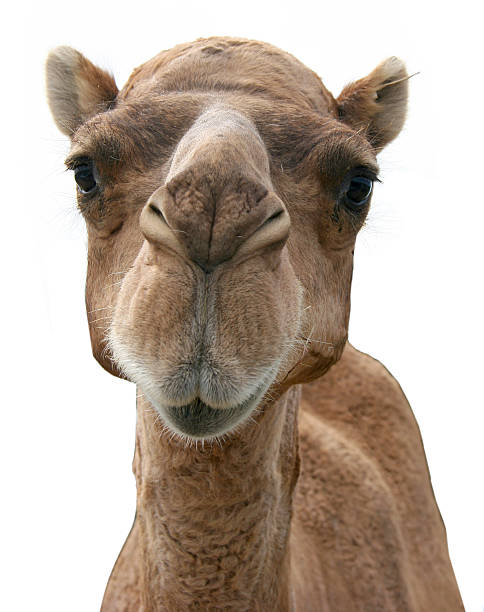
point(72, 163)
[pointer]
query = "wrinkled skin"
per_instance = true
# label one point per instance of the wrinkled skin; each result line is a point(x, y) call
point(218, 196)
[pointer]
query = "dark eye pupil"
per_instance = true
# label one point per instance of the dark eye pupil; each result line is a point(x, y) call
point(85, 178)
point(359, 190)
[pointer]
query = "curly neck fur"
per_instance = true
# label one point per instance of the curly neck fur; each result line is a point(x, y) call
point(214, 520)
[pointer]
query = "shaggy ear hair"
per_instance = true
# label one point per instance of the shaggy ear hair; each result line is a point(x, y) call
point(76, 88)
point(377, 104)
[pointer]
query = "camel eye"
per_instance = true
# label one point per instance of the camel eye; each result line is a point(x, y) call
point(85, 179)
point(359, 191)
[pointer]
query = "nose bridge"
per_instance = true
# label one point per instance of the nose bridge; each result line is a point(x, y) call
point(221, 136)
point(218, 189)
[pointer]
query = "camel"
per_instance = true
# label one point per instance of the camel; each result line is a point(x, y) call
point(277, 467)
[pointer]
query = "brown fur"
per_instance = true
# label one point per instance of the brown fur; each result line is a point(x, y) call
point(219, 269)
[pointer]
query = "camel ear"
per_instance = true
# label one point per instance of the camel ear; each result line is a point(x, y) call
point(76, 88)
point(377, 104)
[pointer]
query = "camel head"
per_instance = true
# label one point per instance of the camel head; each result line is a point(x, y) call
point(222, 188)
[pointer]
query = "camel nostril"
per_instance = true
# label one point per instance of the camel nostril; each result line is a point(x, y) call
point(158, 212)
point(273, 217)
point(157, 231)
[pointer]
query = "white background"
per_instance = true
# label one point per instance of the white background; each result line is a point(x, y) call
point(67, 429)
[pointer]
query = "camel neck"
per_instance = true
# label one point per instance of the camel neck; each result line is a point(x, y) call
point(214, 519)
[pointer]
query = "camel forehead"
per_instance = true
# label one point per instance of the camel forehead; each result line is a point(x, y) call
point(285, 101)
point(227, 64)
point(145, 129)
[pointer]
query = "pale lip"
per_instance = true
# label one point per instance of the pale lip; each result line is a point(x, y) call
point(191, 417)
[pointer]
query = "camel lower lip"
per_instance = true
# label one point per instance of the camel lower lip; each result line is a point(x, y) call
point(199, 420)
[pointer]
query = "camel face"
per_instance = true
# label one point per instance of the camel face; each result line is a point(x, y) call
point(223, 188)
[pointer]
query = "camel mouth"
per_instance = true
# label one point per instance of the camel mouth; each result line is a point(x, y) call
point(199, 421)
